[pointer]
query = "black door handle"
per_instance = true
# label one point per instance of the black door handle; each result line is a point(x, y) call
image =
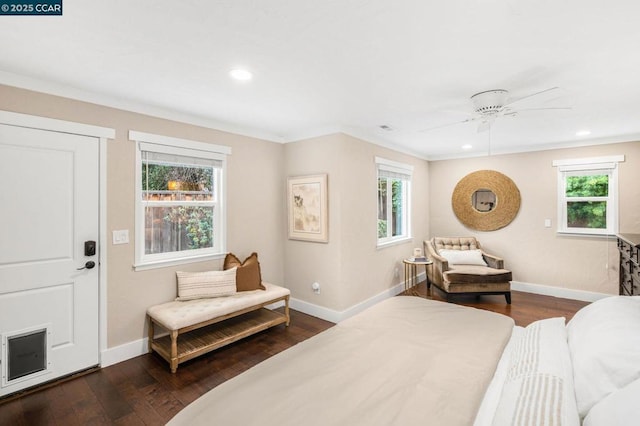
point(89, 265)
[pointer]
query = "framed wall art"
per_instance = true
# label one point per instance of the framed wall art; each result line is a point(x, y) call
point(307, 202)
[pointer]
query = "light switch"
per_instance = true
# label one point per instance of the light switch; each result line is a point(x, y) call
point(121, 236)
point(547, 223)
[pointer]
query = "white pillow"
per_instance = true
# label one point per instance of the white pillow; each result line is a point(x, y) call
point(604, 340)
point(463, 257)
point(539, 384)
point(619, 408)
point(199, 285)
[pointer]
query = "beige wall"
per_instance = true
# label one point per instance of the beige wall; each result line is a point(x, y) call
point(254, 211)
point(349, 268)
point(534, 253)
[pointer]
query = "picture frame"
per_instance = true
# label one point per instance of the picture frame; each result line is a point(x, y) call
point(307, 206)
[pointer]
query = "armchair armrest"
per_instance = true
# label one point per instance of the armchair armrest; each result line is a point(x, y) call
point(494, 262)
point(440, 264)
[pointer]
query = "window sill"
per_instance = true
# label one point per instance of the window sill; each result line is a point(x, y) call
point(584, 234)
point(144, 266)
point(391, 243)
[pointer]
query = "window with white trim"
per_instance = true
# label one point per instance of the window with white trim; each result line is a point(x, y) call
point(180, 203)
point(394, 195)
point(588, 195)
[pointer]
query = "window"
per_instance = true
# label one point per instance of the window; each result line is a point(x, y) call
point(394, 194)
point(180, 205)
point(587, 195)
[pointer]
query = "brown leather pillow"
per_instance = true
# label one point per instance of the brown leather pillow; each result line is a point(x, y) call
point(248, 274)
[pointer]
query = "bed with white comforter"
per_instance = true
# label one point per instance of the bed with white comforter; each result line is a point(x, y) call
point(413, 361)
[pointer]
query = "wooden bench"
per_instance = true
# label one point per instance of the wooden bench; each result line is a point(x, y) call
point(199, 326)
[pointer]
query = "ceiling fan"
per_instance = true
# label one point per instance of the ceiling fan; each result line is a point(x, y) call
point(492, 104)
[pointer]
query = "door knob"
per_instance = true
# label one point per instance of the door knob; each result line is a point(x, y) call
point(89, 265)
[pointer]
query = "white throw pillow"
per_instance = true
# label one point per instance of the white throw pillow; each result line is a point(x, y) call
point(539, 384)
point(199, 285)
point(604, 340)
point(463, 257)
point(619, 408)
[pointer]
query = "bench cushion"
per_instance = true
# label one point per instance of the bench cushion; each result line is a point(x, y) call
point(179, 314)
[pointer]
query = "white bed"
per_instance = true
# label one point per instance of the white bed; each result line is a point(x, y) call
point(411, 361)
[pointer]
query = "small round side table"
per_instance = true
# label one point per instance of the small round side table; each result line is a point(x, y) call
point(411, 271)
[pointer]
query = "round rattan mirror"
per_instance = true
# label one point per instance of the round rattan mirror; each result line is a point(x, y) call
point(488, 186)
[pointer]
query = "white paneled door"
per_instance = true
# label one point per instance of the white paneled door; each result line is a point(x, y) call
point(49, 194)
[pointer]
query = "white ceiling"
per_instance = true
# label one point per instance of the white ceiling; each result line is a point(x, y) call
point(346, 65)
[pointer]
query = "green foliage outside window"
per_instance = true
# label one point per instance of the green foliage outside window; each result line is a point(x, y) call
point(196, 221)
point(588, 186)
point(382, 228)
point(396, 207)
point(382, 208)
point(156, 177)
point(584, 213)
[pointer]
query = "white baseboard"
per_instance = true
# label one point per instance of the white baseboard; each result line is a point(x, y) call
point(565, 293)
point(111, 356)
point(136, 348)
point(124, 352)
point(337, 316)
point(314, 310)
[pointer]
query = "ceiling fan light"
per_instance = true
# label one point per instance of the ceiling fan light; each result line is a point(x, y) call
point(489, 102)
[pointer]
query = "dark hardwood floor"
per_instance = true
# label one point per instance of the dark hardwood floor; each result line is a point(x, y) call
point(525, 308)
point(142, 390)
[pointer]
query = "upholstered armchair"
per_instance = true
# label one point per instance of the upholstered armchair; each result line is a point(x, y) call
point(460, 266)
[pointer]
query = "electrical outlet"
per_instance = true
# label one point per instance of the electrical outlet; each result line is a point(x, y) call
point(316, 287)
point(396, 273)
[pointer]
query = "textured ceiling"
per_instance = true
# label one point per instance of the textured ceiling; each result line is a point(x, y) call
point(347, 65)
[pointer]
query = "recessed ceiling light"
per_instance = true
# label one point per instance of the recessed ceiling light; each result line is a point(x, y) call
point(241, 74)
point(583, 132)
point(467, 146)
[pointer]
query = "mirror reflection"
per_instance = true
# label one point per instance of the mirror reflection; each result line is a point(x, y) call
point(483, 200)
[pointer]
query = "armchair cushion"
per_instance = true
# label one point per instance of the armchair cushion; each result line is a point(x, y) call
point(476, 274)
